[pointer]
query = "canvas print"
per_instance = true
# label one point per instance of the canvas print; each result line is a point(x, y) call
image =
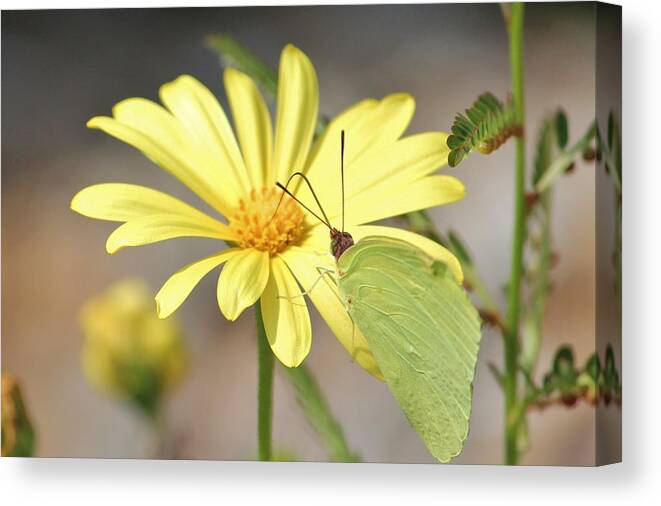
point(383, 233)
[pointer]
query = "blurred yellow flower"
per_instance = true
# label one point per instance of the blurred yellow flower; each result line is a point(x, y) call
point(17, 433)
point(128, 351)
point(234, 172)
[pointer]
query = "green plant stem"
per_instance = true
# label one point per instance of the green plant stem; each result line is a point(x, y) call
point(264, 389)
point(513, 301)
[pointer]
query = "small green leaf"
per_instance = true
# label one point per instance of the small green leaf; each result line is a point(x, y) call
point(455, 157)
point(440, 269)
point(454, 141)
point(610, 385)
point(18, 434)
point(611, 130)
point(548, 383)
point(564, 375)
point(563, 362)
point(609, 362)
point(593, 366)
point(542, 151)
point(562, 129)
point(615, 142)
point(458, 248)
point(497, 374)
point(233, 54)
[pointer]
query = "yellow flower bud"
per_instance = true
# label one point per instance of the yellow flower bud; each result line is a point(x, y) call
point(128, 352)
point(17, 432)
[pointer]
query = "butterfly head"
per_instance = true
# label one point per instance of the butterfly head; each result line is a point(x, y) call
point(340, 242)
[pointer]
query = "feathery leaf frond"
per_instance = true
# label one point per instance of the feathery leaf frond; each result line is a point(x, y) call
point(486, 126)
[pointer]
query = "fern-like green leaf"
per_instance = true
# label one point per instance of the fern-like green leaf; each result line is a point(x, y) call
point(487, 125)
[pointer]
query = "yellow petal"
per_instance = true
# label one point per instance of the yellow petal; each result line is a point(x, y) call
point(380, 203)
point(298, 101)
point(325, 297)
point(370, 126)
point(242, 281)
point(324, 166)
point(151, 129)
point(399, 163)
point(387, 123)
point(154, 122)
point(181, 284)
point(204, 119)
point(286, 317)
point(326, 149)
point(430, 247)
point(252, 123)
point(123, 202)
point(160, 227)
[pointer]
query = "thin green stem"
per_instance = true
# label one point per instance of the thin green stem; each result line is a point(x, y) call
point(264, 389)
point(511, 347)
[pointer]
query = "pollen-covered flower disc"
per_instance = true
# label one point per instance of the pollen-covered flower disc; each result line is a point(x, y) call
point(234, 168)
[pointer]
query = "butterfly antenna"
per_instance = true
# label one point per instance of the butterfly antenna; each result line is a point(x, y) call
point(323, 220)
point(342, 173)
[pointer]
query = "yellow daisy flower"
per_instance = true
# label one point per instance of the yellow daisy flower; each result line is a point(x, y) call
point(271, 258)
point(127, 351)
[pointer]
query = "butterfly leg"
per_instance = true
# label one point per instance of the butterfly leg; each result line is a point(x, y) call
point(323, 271)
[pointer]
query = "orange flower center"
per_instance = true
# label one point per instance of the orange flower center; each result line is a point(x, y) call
point(257, 225)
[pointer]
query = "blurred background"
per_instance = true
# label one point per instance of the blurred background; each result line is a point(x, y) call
point(60, 68)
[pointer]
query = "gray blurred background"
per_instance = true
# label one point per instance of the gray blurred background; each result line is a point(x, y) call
point(62, 67)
